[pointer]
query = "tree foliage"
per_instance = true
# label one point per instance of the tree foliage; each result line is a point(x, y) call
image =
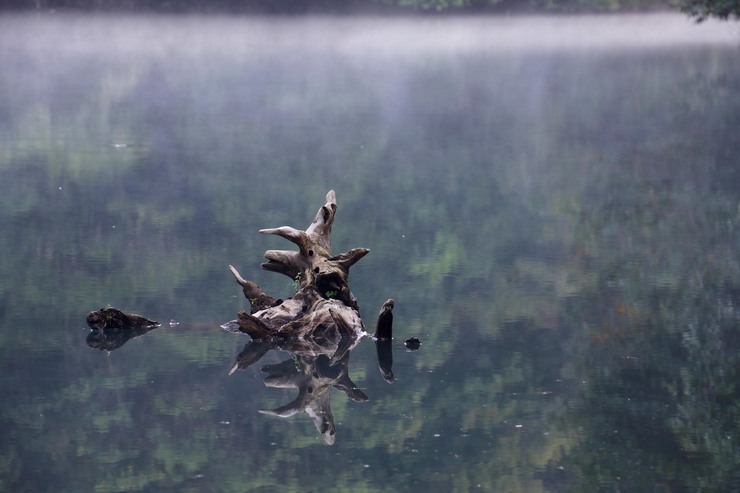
point(704, 9)
point(345, 6)
point(698, 9)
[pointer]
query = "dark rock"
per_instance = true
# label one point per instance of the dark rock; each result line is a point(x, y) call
point(412, 343)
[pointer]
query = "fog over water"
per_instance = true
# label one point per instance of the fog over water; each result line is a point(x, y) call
point(552, 202)
point(389, 36)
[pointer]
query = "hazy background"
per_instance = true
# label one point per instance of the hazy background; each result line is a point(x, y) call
point(552, 202)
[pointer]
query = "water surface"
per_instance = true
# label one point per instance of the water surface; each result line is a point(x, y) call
point(552, 202)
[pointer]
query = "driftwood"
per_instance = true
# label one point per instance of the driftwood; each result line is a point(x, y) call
point(323, 307)
point(112, 328)
point(384, 325)
point(113, 318)
point(318, 325)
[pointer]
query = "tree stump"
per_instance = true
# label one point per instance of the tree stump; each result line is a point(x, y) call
point(323, 306)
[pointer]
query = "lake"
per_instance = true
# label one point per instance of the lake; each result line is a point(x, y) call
point(552, 202)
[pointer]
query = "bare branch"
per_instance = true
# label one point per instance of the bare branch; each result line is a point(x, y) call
point(258, 299)
point(293, 235)
point(320, 228)
point(251, 289)
point(285, 262)
point(348, 259)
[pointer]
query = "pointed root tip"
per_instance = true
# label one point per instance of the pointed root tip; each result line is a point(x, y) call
point(236, 274)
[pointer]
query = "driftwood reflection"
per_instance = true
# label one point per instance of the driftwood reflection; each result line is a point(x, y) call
point(111, 328)
point(384, 349)
point(318, 325)
point(311, 368)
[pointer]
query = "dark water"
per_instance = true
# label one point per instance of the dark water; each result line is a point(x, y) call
point(554, 204)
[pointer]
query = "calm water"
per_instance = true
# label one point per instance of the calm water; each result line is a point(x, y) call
point(554, 204)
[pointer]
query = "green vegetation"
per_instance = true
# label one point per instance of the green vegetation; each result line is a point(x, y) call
point(700, 9)
point(296, 284)
point(704, 9)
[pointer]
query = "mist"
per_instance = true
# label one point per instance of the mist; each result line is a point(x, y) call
point(163, 35)
point(552, 202)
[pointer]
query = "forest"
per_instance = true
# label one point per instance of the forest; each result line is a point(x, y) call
point(698, 9)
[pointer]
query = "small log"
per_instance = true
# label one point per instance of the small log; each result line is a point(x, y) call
point(113, 318)
point(384, 326)
point(112, 328)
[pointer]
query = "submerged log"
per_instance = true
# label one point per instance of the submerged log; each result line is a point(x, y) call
point(323, 305)
point(113, 318)
point(384, 325)
point(112, 328)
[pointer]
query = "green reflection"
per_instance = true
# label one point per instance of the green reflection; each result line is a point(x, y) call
point(559, 229)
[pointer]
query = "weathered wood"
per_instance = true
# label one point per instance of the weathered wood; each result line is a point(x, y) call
point(113, 318)
point(112, 328)
point(258, 299)
point(384, 325)
point(283, 262)
point(314, 244)
point(319, 324)
point(347, 260)
point(323, 305)
point(252, 326)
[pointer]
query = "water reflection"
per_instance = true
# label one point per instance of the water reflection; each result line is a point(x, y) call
point(112, 339)
point(384, 350)
point(312, 368)
point(559, 226)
